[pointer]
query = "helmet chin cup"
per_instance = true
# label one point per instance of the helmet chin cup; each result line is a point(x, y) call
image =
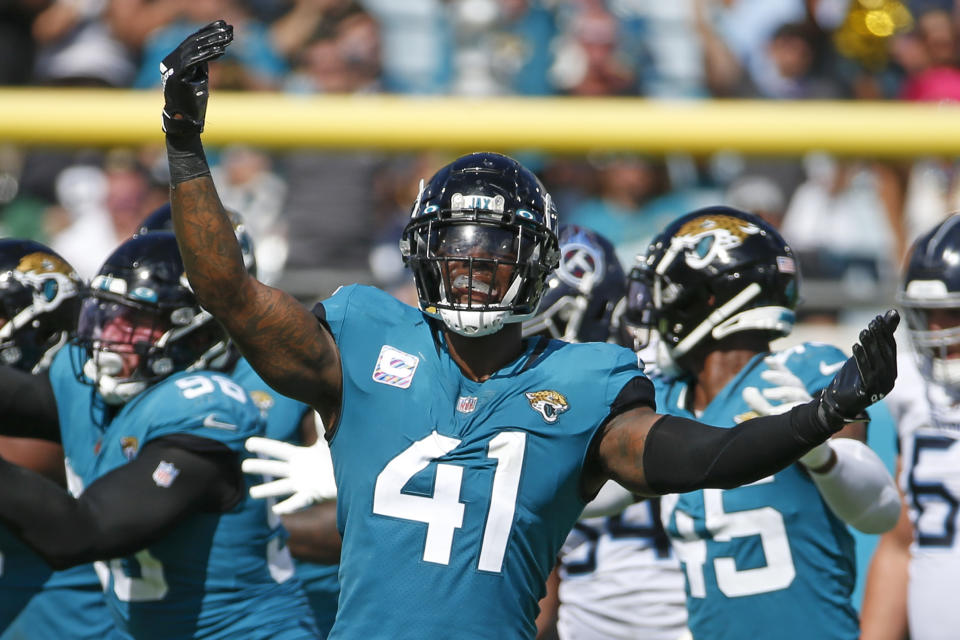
point(113, 391)
point(473, 324)
point(665, 361)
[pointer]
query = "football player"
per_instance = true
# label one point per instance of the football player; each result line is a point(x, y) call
point(772, 559)
point(616, 576)
point(152, 434)
point(464, 454)
point(915, 569)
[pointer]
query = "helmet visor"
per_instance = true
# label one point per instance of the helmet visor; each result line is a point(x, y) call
point(476, 241)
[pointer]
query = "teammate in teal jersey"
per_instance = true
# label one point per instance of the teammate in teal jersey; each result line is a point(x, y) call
point(314, 541)
point(772, 559)
point(153, 442)
point(39, 302)
point(464, 454)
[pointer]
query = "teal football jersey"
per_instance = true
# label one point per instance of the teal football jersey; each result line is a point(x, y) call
point(22, 575)
point(70, 606)
point(768, 559)
point(283, 416)
point(214, 575)
point(455, 496)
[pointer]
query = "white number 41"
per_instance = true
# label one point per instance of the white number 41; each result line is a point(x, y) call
point(443, 511)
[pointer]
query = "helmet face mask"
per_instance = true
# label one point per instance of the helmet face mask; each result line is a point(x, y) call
point(636, 324)
point(584, 291)
point(481, 241)
point(713, 273)
point(930, 299)
point(39, 301)
point(142, 322)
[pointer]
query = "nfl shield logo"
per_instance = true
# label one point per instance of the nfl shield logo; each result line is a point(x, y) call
point(466, 404)
point(165, 474)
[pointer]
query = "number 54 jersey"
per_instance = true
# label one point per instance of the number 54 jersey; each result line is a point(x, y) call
point(928, 426)
point(768, 559)
point(455, 496)
point(213, 575)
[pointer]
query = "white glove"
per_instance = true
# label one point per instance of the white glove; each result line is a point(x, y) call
point(788, 392)
point(304, 472)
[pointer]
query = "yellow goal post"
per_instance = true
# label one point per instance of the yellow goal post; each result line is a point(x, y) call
point(105, 117)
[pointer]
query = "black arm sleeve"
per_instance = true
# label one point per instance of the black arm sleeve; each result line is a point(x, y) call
point(125, 510)
point(681, 455)
point(28, 408)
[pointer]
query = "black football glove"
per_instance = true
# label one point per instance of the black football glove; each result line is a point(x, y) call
point(185, 78)
point(866, 377)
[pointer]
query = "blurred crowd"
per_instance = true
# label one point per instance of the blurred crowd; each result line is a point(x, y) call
point(327, 217)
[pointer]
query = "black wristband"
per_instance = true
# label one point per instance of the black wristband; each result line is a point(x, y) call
point(186, 158)
point(811, 425)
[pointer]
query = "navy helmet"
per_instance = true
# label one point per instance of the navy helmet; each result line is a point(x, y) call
point(930, 298)
point(481, 241)
point(714, 272)
point(140, 303)
point(583, 292)
point(40, 296)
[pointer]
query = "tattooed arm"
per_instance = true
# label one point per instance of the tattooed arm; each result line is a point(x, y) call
point(281, 339)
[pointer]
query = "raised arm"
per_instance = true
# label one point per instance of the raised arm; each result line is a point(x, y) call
point(652, 454)
point(283, 341)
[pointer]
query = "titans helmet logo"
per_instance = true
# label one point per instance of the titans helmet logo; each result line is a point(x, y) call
point(581, 266)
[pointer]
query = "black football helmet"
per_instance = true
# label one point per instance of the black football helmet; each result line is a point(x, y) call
point(930, 298)
point(582, 292)
point(161, 219)
point(479, 217)
point(141, 304)
point(714, 272)
point(40, 297)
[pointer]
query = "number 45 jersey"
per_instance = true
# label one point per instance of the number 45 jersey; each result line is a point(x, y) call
point(455, 496)
point(768, 559)
point(928, 425)
point(213, 575)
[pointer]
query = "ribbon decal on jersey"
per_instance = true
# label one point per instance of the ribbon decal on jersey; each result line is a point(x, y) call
point(549, 404)
point(395, 368)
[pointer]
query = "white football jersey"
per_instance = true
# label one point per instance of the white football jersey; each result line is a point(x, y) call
point(621, 579)
point(928, 424)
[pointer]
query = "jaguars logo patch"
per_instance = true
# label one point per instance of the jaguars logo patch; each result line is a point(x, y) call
point(705, 238)
point(129, 446)
point(549, 404)
point(262, 400)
